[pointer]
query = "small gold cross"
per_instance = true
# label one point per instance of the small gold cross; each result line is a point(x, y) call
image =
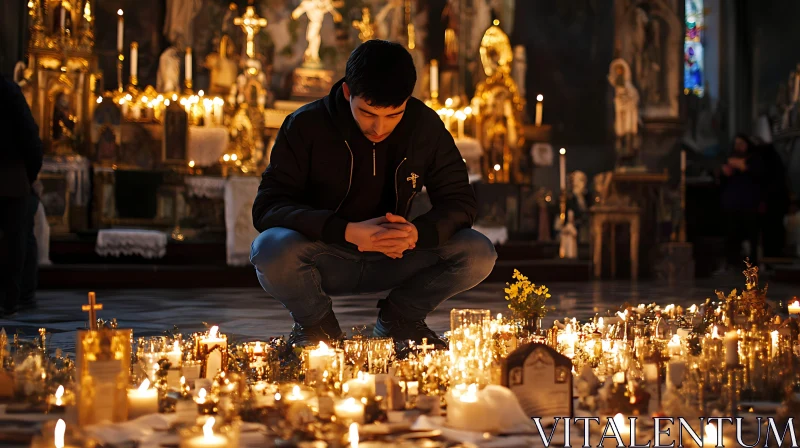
point(413, 179)
point(92, 309)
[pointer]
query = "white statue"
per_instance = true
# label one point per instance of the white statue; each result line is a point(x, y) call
point(568, 238)
point(315, 10)
point(626, 108)
point(169, 71)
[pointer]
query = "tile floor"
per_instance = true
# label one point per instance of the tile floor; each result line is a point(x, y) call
point(248, 313)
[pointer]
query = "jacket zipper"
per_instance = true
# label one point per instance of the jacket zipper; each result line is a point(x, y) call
point(396, 191)
point(350, 181)
point(374, 172)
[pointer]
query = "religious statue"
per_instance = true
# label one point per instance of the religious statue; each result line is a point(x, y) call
point(391, 29)
point(626, 111)
point(315, 10)
point(223, 68)
point(63, 120)
point(169, 71)
point(577, 203)
point(568, 238)
point(365, 27)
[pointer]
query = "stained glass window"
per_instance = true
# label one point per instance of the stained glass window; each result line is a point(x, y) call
point(693, 76)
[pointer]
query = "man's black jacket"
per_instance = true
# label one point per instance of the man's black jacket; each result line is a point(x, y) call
point(310, 174)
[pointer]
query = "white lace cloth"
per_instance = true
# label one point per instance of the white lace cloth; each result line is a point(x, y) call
point(469, 148)
point(205, 186)
point(497, 235)
point(207, 144)
point(118, 242)
point(240, 192)
point(78, 172)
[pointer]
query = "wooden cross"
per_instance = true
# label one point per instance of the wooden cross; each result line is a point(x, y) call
point(92, 309)
point(413, 179)
point(251, 23)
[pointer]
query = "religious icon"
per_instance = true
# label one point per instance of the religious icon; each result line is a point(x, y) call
point(316, 11)
point(626, 109)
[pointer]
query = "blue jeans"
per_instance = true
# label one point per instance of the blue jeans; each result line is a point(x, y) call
point(302, 274)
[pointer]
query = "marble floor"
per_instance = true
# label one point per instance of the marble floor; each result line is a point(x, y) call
point(247, 314)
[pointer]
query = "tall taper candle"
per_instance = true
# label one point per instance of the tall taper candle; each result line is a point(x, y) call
point(562, 168)
point(134, 61)
point(188, 61)
point(120, 28)
point(539, 107)
point(63, 18)
point(683, 161)
point(434, 78)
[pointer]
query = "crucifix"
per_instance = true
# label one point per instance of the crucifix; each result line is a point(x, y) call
point(413, 179)
point(92, 309)
point(251, 23)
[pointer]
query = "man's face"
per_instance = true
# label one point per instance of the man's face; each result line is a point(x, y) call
point(376, 123)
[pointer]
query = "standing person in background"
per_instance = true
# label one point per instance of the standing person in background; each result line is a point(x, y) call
point(742, 200)
point(20, 162)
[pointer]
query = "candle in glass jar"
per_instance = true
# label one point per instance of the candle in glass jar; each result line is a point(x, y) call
point(142, 401)
point(208, 439)
point(732, 348)
point(219, 344)
point(174, 356)
point(361, 387)
point(318, 360)
point(349, 410)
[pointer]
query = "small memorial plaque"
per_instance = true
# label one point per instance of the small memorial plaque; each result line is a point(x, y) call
point(541, 379)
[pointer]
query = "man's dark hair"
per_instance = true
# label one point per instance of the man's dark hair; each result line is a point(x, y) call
point(381, 72)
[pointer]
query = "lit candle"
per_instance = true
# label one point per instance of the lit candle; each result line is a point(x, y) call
point(794, 307)
point(349, 410)
point(142, 401)
point(361, 387)
point(683, 161)
point(208, 439)
point(188, 63)
point(214, 358)
point(461, 116)
point(539, 107)
point(674, 345)
point(174, 356)
point(58, 395)
point(732, 348)
point(58, 434)
point(319, 359)
point(297, 394)
point(465, 411)
point(562, 169)
point(120, 27)
point(63, 17)
point(434, 78)
point(353, 435)
point(134, 59)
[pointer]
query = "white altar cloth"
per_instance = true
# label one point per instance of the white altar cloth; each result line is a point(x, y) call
point(497, 235)
point(240, 192)
point(207, 144)
point(78, 172)
point(144, 243)
point(205, 186)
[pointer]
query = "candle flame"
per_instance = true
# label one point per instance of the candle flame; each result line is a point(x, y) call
point(202, 394)
point(795, 303)
point(59, 394)
point(448, 102)
point(562, 151)
point(119, 12)
point(710, 434)
point(58, 436)
point(258, 348)
point(213, 331)
point(353, 435)
point(208, 428)
point(145, 385)
point(693, 309)
point(183, 380)
point(471, 395)
point(675, 341)
point(321, 350)
point(619, 420)
point(600, 323)
point(540, 97)
point(714, 333)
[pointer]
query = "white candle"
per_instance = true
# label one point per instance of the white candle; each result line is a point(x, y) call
point(539, 107)
point(434, 78)
point(683, 161)
point(562, 168)
point(63, 17)
point(464, 411)
point(174, 356)
point(676, 369)
point(208, 439)
point(214, 358)
point(732, 348)
point(794, 307)
point(361, 387)
point(134, 59)
point(218, 103)
point(120, 27)
point(319, 359)
point(674, 345)
point(142, 401)
point(349, 411)
point(461, 116)
point(188, 63)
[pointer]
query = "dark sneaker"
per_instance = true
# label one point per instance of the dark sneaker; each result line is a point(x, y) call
point(391, 324)
point(327, 331)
